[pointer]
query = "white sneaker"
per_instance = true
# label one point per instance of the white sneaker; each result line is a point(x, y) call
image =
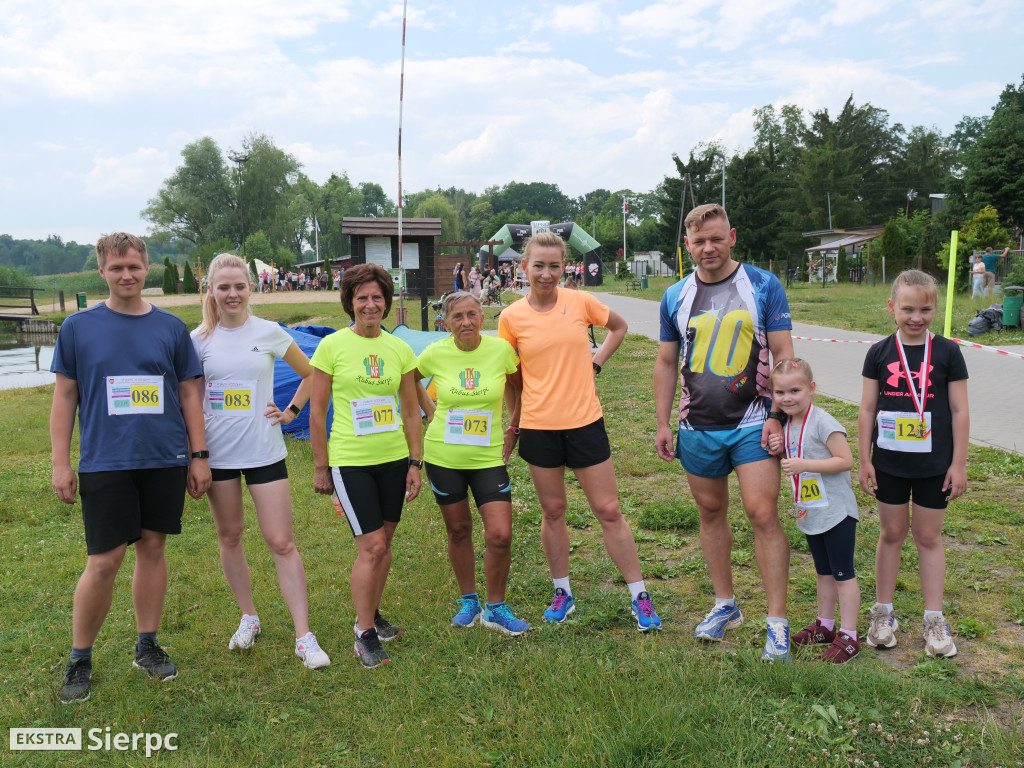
point(937, 640)
point(312, 655)
point(245, 635)
point(882, 630)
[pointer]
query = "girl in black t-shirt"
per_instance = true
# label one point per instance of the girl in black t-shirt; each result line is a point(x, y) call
point(913, 429)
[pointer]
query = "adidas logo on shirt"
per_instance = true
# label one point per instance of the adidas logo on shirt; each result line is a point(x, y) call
point(255, 349)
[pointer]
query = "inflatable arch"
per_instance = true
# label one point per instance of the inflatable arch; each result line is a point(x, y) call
point(514, 235)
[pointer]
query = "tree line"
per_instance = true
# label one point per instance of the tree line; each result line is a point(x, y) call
point(805, 172)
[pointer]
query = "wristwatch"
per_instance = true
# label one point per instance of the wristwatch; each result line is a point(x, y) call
point(292, 407)
point(779, 416)
point(204, 454)
point(514, 430)
point(415, 463)
point(597, 368)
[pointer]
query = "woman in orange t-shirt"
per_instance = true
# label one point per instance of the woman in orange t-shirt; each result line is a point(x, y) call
point(560, 421)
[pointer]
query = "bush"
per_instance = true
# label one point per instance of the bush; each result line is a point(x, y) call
point(170, 285)
point(17, 278)
point(188, 280)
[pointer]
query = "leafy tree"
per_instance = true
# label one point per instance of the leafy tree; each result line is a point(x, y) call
point(480, 214)
point(437, 207)
point(893, 247)
point(192, 203)
point(983, 230)
point(267, 180)
point(994, 165)
point(545, 198)
point(375, 202)
point(257, 246)
point(189, 281)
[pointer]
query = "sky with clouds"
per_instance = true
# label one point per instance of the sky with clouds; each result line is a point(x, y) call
point(98, 98)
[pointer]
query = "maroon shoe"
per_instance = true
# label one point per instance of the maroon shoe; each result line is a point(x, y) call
point(814, 634)
point(843, 649)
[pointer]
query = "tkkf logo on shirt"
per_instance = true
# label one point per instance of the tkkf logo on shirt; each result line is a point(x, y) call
point(374, 366)
point(469, 378)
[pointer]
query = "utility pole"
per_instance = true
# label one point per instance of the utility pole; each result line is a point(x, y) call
point(238, 160)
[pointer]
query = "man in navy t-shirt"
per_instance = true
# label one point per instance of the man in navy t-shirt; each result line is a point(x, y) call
point(725, 319)
point(130, 372)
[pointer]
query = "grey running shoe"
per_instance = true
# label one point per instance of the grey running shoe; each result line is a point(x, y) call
point(151, 658)
point(882, 631)
point(369, 650)
point(385, 629)
point(77, 676)
point(937, 640)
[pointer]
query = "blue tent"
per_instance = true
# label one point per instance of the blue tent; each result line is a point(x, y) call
point(308, 337)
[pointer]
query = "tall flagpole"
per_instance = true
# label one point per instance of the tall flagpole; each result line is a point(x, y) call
point(401, 95)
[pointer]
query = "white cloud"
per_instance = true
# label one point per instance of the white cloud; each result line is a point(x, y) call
point(632, 53)
point(525, 46)
point(140, 172)
point(581, 19)
point(415, 17)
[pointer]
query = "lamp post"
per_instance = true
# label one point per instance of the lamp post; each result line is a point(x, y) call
point(238, 160)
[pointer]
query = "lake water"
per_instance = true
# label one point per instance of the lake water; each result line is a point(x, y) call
point(25, 361)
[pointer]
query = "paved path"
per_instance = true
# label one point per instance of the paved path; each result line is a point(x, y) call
point(995, 388)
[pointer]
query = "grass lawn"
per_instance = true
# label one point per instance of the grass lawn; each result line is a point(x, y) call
point(591, 692)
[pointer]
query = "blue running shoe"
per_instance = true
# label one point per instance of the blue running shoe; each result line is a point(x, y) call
point(501, 618)
point(643, 609)
point(561, 606)
point(469, 613)
point(721, 618)
point(776, 647)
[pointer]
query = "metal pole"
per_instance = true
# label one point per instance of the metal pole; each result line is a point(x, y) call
point(828, 196)
point(401, 95)
point(723, 180)
point(238, 160)
point(624, 204)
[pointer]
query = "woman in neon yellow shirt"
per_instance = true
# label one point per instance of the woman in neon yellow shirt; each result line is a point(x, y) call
point(373, 464)
point(464, 449)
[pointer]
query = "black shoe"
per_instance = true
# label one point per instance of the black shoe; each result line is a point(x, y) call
point(369, 650)
point(385, 629)
point(151, 658)
point(77, 676)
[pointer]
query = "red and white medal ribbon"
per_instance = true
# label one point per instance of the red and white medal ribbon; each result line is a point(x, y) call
point(795, 478)
point(920, 404)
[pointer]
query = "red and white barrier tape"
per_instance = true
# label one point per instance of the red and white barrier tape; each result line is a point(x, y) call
point(961, 342)
point(998, 351)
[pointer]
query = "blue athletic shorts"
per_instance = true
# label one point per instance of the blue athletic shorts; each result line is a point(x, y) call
point(715, 453)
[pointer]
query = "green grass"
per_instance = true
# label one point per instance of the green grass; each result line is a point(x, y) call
point(591, 692)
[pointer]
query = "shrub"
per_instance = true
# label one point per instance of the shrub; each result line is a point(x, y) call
point(189, 284)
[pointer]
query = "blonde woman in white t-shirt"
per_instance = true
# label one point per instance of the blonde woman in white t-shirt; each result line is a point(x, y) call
point(243, 425)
